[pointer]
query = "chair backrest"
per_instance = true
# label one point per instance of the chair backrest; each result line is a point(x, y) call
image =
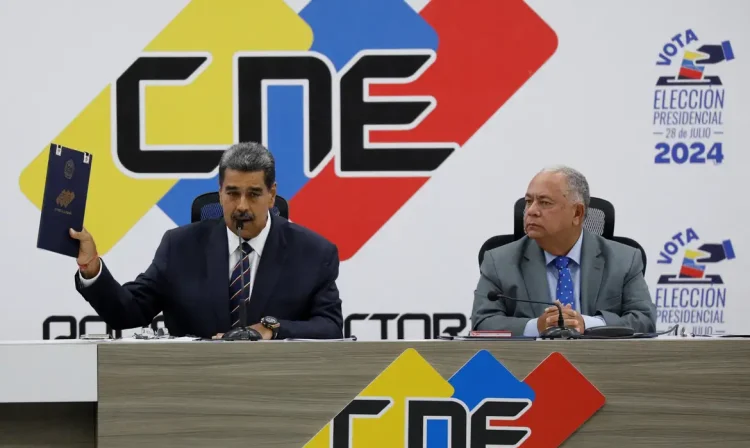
point(207, 206)
point(493, 242)
point(633, 243)
point(600, 220)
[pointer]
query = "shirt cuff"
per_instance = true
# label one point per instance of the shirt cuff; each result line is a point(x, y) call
point(531, 329)
point(593, 321)
point(88, 281)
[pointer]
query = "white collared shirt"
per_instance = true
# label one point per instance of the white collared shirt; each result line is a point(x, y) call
point(257, 243)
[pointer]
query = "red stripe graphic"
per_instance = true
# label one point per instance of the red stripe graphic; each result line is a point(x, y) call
point(552, 418)
point(691, 74)
point(691, 272)
point(487, 50)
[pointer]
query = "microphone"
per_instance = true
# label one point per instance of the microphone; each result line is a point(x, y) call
point(242, 332)
point(558, 332)
point(610, 332)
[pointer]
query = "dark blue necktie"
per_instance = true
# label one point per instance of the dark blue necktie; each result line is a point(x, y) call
point(564, 282)
point(236, 293)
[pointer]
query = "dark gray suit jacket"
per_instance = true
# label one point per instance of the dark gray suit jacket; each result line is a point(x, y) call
point(611, 282)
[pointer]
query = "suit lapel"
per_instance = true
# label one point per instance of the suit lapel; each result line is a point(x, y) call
point(217, 274)
point(271, 264)
point(592, 270)
point(534, 274)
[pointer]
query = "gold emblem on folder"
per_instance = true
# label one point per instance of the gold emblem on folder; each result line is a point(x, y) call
point(65, 198)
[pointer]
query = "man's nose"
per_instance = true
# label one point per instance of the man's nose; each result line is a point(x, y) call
point(244, 204)
point(532, 210)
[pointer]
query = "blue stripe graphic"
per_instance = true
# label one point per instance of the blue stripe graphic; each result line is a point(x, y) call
point(341, 28)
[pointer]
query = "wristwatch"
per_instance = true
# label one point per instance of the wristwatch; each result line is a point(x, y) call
point(272, 324)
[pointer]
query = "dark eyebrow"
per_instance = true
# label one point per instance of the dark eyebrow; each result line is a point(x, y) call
point(541, 196)
point(233, 188)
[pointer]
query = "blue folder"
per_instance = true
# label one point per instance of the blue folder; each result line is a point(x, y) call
point(64, 204)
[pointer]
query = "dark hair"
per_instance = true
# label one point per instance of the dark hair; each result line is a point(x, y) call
point(249, 157)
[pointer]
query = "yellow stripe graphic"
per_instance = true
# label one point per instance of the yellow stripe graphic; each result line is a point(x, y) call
point(196, 114)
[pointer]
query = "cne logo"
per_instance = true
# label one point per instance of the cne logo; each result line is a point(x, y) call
point(411, 405)
point(359, 101)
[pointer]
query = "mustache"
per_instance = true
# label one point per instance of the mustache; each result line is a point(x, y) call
point(245, 216)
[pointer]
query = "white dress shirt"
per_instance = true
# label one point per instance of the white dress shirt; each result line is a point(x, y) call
point(256, 243)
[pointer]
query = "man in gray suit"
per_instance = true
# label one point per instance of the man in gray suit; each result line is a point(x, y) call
point(596, 281)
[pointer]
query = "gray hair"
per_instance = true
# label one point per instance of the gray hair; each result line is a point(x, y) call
point(249, 157)
point(578, 186)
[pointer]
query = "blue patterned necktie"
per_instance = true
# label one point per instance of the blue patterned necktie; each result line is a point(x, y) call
point(235, 285)
point(564, 282)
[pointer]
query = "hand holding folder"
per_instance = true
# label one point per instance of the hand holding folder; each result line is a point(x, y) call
point(88, 257)
point(64, 204)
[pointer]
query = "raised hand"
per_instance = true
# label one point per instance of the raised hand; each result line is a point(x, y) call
point(88, 258)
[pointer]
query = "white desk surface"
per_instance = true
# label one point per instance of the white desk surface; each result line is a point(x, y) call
point(62, 370)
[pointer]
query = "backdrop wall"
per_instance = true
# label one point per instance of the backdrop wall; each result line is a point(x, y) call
point(506, 88)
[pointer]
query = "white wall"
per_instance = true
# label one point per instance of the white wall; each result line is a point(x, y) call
point(590, 106)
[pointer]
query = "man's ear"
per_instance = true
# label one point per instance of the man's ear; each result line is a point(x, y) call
point(581, 212)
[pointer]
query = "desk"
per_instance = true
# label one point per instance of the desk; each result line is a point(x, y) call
point(660, 393)
point(48, 393)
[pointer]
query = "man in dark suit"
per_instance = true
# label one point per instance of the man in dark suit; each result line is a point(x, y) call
point(196, 277)
point(597, 282)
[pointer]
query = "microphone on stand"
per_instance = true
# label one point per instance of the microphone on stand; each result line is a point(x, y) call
point(558, 332)
point(242, 332)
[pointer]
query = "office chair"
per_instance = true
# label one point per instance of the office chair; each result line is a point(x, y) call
point(599, 220)
point(207, 206)
point(634, 244)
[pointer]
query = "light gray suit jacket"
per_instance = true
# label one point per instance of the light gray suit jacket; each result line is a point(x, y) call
point(612, 286)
